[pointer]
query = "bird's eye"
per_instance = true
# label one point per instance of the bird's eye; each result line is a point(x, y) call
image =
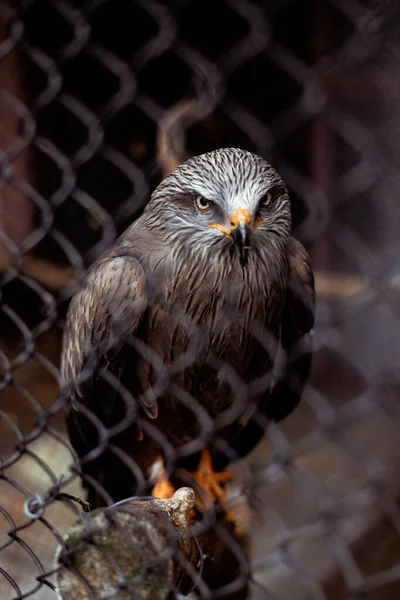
point(272, 195)
point(267, 199)
point(202, 203)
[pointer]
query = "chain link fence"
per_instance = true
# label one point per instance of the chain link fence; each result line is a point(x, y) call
point(99, 100)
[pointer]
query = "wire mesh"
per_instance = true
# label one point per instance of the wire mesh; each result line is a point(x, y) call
point(99, 100)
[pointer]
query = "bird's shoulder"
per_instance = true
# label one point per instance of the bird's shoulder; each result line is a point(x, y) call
point(300, 302)
point(299, 263)
point(108, 306)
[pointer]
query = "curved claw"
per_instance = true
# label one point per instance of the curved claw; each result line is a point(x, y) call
point(209, 481)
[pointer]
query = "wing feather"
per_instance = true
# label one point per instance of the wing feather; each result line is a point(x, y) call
point(297, 327)
point(103, 315)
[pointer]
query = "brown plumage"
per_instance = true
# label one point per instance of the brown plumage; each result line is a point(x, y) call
point(189, 312)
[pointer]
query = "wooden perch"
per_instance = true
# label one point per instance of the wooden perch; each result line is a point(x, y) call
point(145, 547)
point(179, 115)
point(130, 548)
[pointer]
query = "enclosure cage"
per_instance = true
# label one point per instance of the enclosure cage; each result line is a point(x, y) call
point(99, 101)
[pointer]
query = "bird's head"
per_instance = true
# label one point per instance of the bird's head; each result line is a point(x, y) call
point(228, 197)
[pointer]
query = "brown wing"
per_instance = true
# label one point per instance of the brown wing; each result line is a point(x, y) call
point(103, 315)
point(297, 324)
point(102, 318)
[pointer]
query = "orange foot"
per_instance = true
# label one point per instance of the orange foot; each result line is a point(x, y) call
point(163, 488)
point(210, 482)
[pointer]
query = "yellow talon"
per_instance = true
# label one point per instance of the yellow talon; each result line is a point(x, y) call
point(210, 482)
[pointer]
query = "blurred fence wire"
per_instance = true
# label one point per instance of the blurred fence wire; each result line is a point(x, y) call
point(99, 100)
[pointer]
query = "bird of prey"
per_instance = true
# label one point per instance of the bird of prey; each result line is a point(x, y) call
point(196, 322)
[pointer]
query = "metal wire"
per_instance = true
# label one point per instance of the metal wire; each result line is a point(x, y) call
point(98, 101)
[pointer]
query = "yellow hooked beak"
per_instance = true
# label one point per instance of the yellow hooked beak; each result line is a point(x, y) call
point(240, 222)
point(240, 218)
point(240, 230)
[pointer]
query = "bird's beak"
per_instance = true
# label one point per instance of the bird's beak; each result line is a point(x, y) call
point(240, 222)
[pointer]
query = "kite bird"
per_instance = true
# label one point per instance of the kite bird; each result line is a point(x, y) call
point(196, 322)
